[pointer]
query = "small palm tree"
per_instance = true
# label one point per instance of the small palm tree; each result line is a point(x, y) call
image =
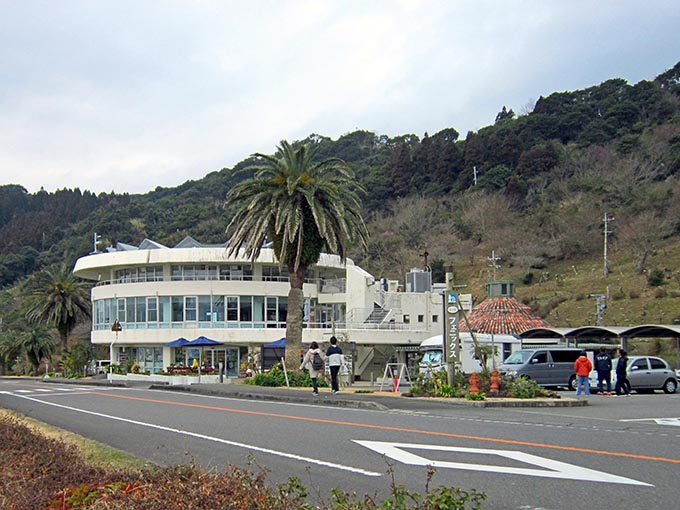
point(58, 299)
point(36, 344)
point(304, 207)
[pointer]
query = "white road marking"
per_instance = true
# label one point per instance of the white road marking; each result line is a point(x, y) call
point(553, 468)
point(211, 438)
point(661, 421)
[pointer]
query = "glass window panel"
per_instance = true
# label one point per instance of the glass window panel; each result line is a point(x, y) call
point(258, 308)
point(130, 305)
point(121, 310)
point(232, 308)
point(176, 273)
point(271, 309)
point(164, 309)
point(201, 272)
point(283, 309)
point(152, 309)
point(140, 306)
point(204, 312)
point(246, 308)
point(177, 309)
point(218, 308)
point(190, 303)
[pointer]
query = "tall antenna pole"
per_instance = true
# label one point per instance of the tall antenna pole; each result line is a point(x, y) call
point(493, 259)
point(607, 219)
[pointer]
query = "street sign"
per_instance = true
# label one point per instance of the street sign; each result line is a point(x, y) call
point(452, 314)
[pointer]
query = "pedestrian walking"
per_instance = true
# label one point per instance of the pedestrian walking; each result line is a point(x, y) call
point(603, 365)
point(314, 361)
point(335, 360)
point(582, 367)
point(622, 386)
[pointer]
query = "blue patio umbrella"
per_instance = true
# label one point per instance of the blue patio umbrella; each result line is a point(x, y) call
point(180, 342)
point(202, 341)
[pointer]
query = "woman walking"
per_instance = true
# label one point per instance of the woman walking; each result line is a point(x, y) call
point(314, 361)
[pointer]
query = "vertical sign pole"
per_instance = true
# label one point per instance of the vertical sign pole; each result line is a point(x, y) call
point(451, 333)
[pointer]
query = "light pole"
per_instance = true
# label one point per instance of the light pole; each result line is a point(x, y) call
point(115, 327)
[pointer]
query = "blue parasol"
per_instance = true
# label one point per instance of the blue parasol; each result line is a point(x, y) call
point(180, 342)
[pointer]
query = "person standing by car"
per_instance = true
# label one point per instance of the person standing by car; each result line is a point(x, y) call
point(582, 367)
point(603, 365)
point(314, 361)
point(622, 387)
point(335, 361)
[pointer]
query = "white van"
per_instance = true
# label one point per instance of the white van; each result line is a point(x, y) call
point(432, 350)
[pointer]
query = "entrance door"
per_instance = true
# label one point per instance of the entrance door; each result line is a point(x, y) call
point(229, 359)
point(232, 362)
point(218, 356)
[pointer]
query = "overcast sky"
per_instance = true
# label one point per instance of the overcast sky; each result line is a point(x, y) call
point(128, 95)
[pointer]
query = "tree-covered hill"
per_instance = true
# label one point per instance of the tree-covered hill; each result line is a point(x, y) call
point(534, 188)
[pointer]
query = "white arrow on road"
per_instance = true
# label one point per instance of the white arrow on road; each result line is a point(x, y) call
point(552, 468)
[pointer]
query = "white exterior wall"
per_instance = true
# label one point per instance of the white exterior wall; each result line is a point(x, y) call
point(361, 292)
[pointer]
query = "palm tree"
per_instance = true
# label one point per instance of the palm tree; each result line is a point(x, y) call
point(37, 344)
point(58, 299)
point(304, 207)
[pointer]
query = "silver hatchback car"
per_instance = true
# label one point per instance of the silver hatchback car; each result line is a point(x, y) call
point(644, 373)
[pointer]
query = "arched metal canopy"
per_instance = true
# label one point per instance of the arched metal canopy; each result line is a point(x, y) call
point(602, 332)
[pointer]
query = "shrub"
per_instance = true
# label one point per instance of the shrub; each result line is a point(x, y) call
point(521, 387)
point(634, 294)
point(655, 277)
point(478, 395)
point(45, 473)
point(659, 293)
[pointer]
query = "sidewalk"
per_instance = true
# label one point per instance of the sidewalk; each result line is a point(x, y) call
point(361, 395)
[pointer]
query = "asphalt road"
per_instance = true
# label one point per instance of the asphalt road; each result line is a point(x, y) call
point(619, 453)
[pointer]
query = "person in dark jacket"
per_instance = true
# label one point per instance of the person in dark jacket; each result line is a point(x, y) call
point(622, 386)
point(603, 365)
point(335, 361)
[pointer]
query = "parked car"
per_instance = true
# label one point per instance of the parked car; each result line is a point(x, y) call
point(644, 373)
point(550, 367)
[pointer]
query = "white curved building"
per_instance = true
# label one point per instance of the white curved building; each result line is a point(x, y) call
point(159, 294)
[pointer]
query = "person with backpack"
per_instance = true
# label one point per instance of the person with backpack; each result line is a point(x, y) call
point(314, 361)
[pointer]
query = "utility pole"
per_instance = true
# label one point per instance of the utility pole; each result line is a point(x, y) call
point(493, 263)
point(96, 241)
point(607, 219)
point(600, 306)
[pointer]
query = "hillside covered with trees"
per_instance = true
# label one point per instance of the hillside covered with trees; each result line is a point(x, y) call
point(533, 188)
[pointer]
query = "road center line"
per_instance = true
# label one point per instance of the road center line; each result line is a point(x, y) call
point(210, 438)
point(397, 429)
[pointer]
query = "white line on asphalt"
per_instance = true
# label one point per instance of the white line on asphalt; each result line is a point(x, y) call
point(211, 438)
point(551, 468)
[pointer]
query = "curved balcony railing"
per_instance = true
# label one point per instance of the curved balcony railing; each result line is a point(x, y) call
point(326, 286)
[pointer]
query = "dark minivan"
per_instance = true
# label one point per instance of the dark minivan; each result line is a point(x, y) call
point(546, 366)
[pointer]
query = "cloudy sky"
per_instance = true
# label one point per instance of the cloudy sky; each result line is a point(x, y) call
point(128, 95)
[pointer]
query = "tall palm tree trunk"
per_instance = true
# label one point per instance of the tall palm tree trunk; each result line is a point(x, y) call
point(295, 317)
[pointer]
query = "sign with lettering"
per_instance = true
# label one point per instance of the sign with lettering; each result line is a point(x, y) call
point(451, 331)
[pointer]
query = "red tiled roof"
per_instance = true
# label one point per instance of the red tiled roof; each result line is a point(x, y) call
point(502, 316)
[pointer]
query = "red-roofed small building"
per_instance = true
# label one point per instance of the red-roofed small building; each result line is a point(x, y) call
point(501, 313)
